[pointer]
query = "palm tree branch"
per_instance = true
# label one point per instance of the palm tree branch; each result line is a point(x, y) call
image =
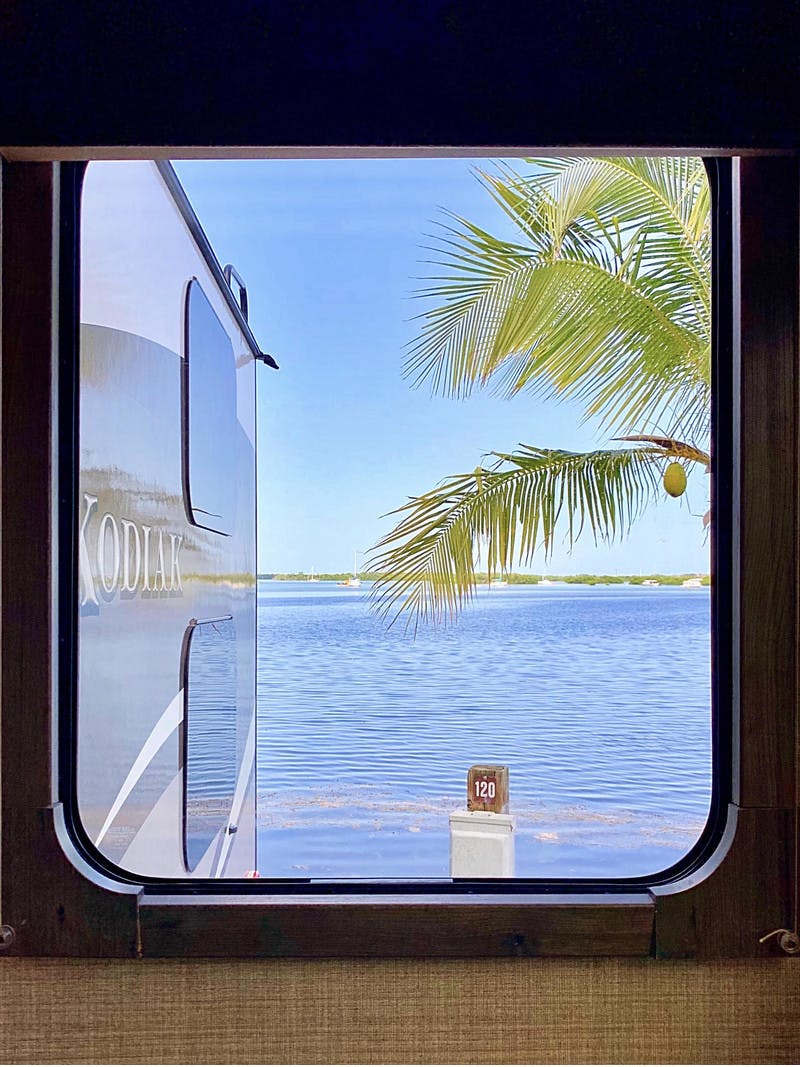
point(616, 191)
point(672, 447)
point(515, 506)
point(682, 208)
point(690, 232)
point(566, 327)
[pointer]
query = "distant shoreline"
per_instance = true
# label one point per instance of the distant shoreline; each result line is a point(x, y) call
point(520, 579)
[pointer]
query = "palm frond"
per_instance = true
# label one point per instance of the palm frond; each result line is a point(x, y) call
point(606, 297)
point(508, 510)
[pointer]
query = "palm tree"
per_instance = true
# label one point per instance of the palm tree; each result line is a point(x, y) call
point(603, 297)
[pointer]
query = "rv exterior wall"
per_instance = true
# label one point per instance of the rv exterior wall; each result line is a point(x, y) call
point(166, 535)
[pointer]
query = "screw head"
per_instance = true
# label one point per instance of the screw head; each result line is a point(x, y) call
point(7, 936)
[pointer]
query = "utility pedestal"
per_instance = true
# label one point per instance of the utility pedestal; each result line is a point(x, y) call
point(481, 845)
point(482, 838)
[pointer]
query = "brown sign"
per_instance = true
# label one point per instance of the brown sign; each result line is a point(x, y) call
point(487, 788)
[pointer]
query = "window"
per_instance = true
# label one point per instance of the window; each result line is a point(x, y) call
point(275, 923)
point(210, 414)
point(209, 744)
point(367, 733)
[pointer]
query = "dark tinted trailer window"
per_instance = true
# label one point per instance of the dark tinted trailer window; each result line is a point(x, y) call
point(209, 416)
point(209, 748)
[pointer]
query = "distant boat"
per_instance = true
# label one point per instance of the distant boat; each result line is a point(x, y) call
point(313, 576)
point(355, 581)
point(545, 581)
point(650, 581)
point(693, 583)
point(498, 583)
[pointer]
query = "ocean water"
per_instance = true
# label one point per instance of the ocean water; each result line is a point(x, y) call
point(597, 699)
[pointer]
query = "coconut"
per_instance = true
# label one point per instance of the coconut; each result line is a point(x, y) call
point(675, 479)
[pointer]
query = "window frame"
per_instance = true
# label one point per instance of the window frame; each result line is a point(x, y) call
point(715, 905)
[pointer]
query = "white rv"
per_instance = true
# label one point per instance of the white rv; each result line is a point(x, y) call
point(166, 536)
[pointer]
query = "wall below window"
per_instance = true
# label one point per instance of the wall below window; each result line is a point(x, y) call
point(506, 1011)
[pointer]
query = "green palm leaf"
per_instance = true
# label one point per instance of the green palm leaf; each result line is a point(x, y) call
point(513, 507)
point(604, 296)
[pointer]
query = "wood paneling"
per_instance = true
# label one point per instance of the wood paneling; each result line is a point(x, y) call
point(26, 388)
point(769, 551)
point(467, 1011)
point(505, 926)
point(745, 898)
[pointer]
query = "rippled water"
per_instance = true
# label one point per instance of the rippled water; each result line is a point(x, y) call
point(597, 698)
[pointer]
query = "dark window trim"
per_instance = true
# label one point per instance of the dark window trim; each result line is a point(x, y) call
point(44, 864)
point(719, 173)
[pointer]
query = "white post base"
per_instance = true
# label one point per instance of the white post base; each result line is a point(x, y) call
point(481, 845)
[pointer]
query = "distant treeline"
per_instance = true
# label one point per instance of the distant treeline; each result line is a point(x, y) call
point(366, 576)
point(603, 579)
point(520, 579)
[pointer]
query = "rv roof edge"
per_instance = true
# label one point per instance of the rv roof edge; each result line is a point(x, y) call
point(172, 182)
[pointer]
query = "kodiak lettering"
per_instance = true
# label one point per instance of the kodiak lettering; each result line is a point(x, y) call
point(117, 555)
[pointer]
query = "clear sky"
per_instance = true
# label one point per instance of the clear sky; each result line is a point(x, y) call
point(332, 252)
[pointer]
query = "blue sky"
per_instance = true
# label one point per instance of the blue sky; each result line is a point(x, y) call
point(332, 251)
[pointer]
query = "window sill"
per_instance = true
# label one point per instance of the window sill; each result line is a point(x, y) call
point(396, 926)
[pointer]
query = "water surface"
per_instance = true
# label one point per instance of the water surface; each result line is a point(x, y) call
point(597, 698)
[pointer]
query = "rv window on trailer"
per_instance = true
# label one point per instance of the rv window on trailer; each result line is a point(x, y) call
point(209, 416)
point(210, 801)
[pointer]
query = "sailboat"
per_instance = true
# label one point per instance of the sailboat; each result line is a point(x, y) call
point(313, 576)
point(355, 581)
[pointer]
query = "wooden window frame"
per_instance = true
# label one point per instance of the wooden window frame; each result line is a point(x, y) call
point(54, 903)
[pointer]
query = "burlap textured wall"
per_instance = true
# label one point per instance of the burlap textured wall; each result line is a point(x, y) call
point(515, 1011)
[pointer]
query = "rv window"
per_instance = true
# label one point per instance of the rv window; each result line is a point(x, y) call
point(209, 416)
point(555, 669)
point(209, 744)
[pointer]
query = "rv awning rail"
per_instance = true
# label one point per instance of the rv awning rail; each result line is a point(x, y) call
point(167, 172)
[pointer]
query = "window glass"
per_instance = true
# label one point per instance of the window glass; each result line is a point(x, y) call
point(210, 415)
point(552, 308)
point(483, 531)
point(209, 747)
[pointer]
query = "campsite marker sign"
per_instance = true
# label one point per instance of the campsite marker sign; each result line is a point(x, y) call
point(487, 788)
